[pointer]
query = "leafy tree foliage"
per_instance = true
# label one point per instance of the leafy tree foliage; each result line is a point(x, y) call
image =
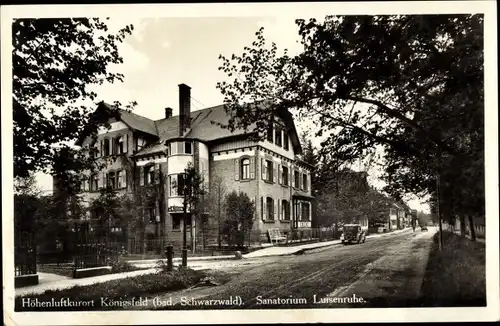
point(240, 214)
point(410, 84)
point(55, 62)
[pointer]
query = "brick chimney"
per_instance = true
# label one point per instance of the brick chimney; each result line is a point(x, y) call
point(168, 113)
point(184, 108)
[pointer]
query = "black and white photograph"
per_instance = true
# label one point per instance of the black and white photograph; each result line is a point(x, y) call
point(250, 162)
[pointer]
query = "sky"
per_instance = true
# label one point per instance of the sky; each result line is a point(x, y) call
point(164, 52)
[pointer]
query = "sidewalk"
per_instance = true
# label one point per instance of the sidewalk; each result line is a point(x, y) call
point(200, 263)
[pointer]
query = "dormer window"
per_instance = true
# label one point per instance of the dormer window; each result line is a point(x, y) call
point(277, 137)
point(270, 133)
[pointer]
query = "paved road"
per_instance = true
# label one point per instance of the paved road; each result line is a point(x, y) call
point(384, 271)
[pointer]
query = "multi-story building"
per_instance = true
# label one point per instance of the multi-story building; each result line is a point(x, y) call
point(142, 153)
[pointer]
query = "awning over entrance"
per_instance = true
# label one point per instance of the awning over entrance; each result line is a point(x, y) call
point(301, 195)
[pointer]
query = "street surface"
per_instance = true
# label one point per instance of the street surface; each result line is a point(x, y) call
point(383, 272)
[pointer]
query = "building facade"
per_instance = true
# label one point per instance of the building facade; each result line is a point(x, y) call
point(142, 154)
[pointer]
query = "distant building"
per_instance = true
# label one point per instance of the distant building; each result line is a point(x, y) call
point(146, 153)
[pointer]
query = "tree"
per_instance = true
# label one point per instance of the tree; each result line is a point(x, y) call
point(55, 62)
point(412, 85)
point(193, 191)
point(216, 204)
point(240, 214)
point(106, 209)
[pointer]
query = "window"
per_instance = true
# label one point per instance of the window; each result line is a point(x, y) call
point(119, 145)
point(270, 133)
point(120, 176)
point(176, 221)
point(140, 143)
point(111, 180)
point(285, 140)
point(269, 170)
point(285, 209)
point(94, 182)
point(284, 176)
point(269, 209)
point(172, 148)
point(305, 211)
point(245, 168)
point(149, 174)
point(297, 179)
point(277, 137)
point(188, 147)
point(176, 183)
point(107, 147)
point(304, 182)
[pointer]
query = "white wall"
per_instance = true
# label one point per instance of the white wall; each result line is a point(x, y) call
point(118, 125)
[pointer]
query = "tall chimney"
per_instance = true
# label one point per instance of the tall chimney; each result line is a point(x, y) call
point(184, 108)
point(168, 113)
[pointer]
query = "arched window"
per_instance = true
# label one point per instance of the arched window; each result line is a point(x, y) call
point(107, 147)
point(119, 145)
point(245, 168)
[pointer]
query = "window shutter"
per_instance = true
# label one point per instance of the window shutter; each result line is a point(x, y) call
point(264, 209)
point(275, 213)
point(279, 174)
point(101, 150)
point(291, 209)
point(275, 177)
point(261, 208)
point(290, 175)
point(301, 181)
point(279, 209)
point(263, 169)
point(113, 146)
point(236, 169)
point(157, 173)
point(252, 168)
point(293, 178)
point(141, 176)
point(309, 181)
point(124, 176)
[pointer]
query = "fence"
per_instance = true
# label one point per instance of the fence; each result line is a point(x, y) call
point(24, 253)
point(480, 230)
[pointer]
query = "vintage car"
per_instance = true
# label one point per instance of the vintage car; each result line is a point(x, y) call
point(352, 233)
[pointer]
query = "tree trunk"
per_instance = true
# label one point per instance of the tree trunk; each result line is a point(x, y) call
point(471, 226)
point(462, 225)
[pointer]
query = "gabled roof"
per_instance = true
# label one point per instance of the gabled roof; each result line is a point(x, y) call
point(135, 121)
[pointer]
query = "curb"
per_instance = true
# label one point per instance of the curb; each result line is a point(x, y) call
point(177, 259)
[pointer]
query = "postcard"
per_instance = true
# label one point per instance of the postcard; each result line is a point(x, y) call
point(249, 163)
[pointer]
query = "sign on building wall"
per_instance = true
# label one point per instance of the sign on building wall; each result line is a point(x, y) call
point(304, 224)
point(173, 209)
